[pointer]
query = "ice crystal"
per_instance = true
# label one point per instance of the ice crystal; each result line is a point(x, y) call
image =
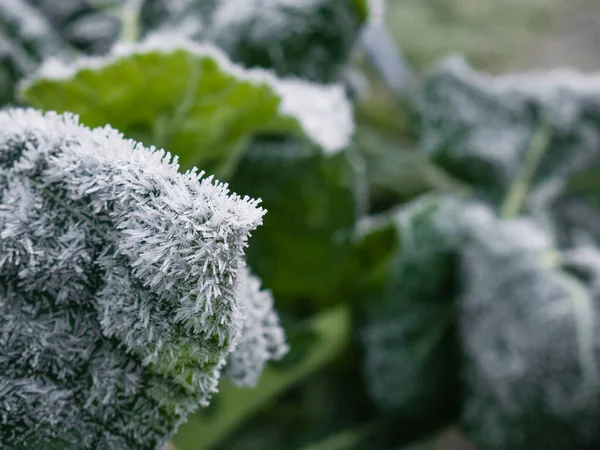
point(262, 338)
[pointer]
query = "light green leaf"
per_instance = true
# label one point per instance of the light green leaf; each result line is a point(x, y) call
point(191, 100)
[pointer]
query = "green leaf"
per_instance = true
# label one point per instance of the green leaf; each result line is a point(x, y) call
point(313, 201)
point(529, 337)
point(575, 220)
point(409, 321)
point(233, 405)
point(512, 136)
point(312, 40)
point(191, 100)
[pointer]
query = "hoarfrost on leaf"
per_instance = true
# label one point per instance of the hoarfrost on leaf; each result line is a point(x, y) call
point(408, 331)
point(483, 128)
point(26, 37)
point(311, 39)
point(119, 294)
point(262, 338)
point(529, 337)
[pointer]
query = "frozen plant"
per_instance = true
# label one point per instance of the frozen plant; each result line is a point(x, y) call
point(262, 337)
point(120, 296)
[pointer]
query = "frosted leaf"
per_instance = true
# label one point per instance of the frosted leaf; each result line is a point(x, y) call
point(118, 285)
point(408, 330)
point(182, 17)
point(311, 39)
point(262, 338)
point(203, 106)
point(529, 336)
point(575, 219)
point(481, 128)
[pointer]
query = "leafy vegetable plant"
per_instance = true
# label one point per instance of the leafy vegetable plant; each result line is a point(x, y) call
point(129, 281)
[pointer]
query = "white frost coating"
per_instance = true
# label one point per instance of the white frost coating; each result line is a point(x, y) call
point(529, 83)
point(233, 13)
point(113, 265)
point(323, 111)
point(482, 127)
point(529, 339)
point(263, 338)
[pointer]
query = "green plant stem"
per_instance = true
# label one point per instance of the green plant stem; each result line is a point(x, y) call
point(235, 405)
point(440, 180)
point(583, 314)
point(517, 192)
point(130, 20)
point(347, 439)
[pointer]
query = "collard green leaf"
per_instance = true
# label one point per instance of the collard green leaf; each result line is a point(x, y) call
point(190, 99)
point(530, 340)
point(311, 39)
point(313, 202)
point(487, 129)
point(408, 327)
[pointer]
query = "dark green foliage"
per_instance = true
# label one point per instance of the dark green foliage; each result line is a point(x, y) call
point(26, 37)
point(473, 285)
point(34, 30)
point(484, 129)
point(308, 39)
point(409, 323)
point(123, 288)
point(311, 39)
point(530, 341)
point(313, 201)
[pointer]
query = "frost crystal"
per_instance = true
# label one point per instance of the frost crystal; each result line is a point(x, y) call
point(118, 286)
point(262, 338)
